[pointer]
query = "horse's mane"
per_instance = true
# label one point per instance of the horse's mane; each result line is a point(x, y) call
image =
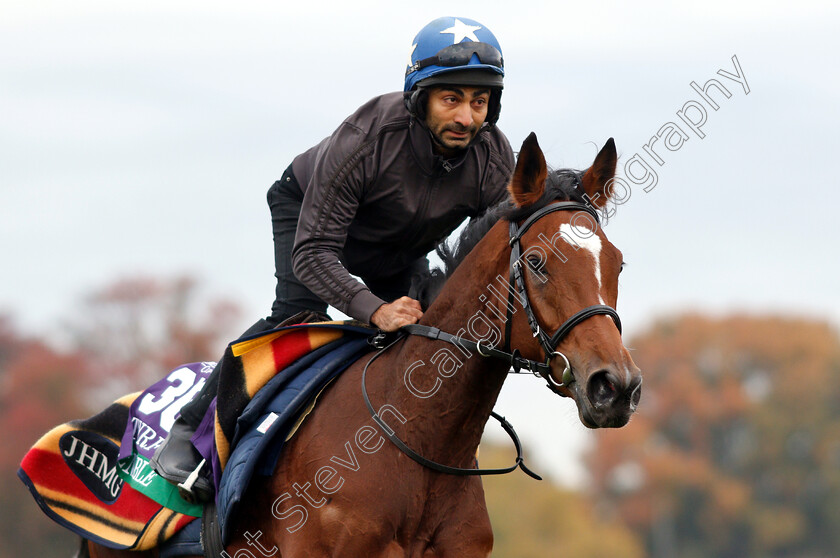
point(560, 185)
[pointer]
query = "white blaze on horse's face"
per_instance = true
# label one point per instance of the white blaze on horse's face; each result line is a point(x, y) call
point(587, 239)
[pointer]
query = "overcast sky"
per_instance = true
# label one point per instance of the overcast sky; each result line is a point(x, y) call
point(141, 139)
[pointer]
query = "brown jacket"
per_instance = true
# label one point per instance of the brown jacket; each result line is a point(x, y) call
point(377, 198)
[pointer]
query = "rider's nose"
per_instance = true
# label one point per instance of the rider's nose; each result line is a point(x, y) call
point(463, 115)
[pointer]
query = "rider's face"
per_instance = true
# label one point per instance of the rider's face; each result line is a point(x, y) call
point(455, 114)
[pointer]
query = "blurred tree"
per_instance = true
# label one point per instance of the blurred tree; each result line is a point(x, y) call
point(736, 446)
point(135, 330)
point(536, 519)
point(39, 389)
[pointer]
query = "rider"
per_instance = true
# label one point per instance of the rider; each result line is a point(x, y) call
point(371, 200)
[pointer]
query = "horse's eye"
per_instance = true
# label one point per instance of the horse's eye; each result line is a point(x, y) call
point(536, 264)
point(623, 265)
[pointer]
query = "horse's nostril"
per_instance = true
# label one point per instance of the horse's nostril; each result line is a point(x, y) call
point(602, 390)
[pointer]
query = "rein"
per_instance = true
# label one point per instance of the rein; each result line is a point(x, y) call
point(517, 362)
point(440, 468)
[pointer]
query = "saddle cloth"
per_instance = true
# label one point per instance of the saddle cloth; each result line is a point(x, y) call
point(72, 473)
point(92, 476)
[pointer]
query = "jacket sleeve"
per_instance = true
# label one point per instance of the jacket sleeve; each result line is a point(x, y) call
point(331, 200)
point(501, 164)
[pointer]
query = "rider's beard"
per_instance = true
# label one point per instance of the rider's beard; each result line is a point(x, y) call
point(453, 145)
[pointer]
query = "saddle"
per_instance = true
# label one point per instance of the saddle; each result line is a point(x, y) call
point(92, 476)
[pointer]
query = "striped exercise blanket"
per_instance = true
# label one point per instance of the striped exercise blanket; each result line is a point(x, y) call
point(72, 472)
point(92, 476)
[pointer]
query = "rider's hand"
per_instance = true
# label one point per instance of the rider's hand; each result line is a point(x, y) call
point(392, 316)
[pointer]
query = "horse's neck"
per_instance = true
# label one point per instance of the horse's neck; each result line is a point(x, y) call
point(448, 392)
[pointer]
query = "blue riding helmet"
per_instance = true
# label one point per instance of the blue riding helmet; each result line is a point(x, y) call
point(455, 44)
point(454, 51)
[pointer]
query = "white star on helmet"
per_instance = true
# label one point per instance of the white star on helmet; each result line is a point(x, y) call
point(461, 31)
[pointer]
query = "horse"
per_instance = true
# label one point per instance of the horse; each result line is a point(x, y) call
point(538, 263)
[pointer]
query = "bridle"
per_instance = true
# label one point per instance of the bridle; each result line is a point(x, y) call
point(517, 362)
point(549, 344)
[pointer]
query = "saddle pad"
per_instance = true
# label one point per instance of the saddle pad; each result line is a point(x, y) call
point(72, 473)
point(262, 429)
point(248, 365)
point(268, 422)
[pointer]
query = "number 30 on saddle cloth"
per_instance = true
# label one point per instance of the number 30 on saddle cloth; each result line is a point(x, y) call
point(93, 477)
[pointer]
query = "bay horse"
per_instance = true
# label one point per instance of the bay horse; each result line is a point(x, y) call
point(538, 264)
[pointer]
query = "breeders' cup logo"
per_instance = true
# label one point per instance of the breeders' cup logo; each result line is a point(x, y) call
point(93, 459)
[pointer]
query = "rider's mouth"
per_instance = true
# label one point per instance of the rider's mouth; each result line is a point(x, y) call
point(457, 135)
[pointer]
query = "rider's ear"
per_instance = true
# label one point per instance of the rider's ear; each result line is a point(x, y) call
point(597, 180)
point(528, 182)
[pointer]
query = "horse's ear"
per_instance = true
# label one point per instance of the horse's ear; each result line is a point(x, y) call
point(528, 182)
point(597, 180)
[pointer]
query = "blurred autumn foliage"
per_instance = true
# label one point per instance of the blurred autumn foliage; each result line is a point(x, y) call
point(134, 330)
point(735, 451)
point(39, 388)
point(534, 519)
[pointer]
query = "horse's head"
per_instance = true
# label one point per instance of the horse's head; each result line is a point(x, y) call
point(569, 274)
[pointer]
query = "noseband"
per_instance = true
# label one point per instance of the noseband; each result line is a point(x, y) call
point(516, 361)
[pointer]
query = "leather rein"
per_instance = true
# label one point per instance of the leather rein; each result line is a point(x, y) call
point(516, 361)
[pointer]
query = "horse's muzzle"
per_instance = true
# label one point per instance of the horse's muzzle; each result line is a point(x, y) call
point(607, 401)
